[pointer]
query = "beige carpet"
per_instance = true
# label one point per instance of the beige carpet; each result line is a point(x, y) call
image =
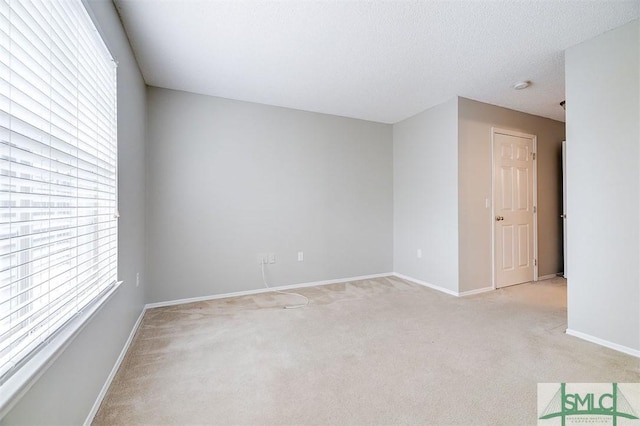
point(379, 351)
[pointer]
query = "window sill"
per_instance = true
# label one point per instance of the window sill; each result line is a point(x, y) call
point(19, 383)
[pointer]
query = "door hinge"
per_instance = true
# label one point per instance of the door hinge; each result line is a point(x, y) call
point(535, 209)
point(535, 262)
point(533, 154)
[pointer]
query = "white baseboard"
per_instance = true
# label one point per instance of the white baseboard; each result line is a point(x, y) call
point(114, 370)
point(426, 284)
point(262, 290)
point(475, 291)
point(442, 289)
point(605, 343)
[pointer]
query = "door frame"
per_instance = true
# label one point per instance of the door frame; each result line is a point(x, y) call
point(564, 208)
point(502, 131)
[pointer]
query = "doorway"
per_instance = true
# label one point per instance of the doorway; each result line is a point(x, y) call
point(514, 208)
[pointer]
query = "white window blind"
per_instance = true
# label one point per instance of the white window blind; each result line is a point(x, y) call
point(58, 158)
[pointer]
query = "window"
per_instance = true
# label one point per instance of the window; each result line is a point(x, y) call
point(58, 158)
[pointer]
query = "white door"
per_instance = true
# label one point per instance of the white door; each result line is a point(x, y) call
point(514, 207)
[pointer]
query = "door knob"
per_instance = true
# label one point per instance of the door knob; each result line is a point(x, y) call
point(499, 218)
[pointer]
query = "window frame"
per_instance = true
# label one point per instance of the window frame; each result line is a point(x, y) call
point(32, 366)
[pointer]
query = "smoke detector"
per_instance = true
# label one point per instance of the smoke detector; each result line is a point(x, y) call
point(521, 85)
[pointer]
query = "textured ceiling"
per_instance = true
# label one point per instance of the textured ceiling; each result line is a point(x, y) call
point(375, 60)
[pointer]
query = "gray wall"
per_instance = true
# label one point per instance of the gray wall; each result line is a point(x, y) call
point(229, 180)
point(68, 389)
point(425, 190)
point(474, 161)
point(603, 159)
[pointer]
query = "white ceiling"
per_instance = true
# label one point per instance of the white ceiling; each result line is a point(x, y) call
point(375, 60)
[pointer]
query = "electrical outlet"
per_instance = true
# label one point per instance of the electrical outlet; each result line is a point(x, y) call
point(300, 256)
point(272, 258)
point(263, 258)
point(137, 279)
point(419, 253)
